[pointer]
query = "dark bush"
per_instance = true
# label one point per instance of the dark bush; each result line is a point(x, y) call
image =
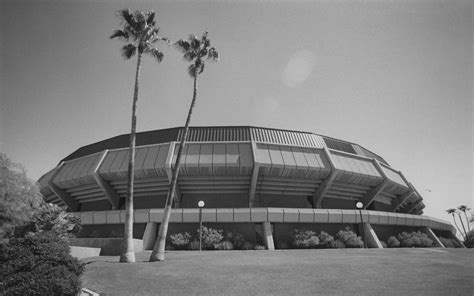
point(325, 239)
point(305, 239)
point(337, 244)
point(194, 245)
point(39, 264)
point(282, 245)
point(259, 247)
point(210, 237)
point(469, 243)
point(180, 241)
point(414, 239)
point(247, 246)
point(449, 242)
point(393, 242)
point(236, 238)
point(384, 244)
point(224, 245)
point(349, 238)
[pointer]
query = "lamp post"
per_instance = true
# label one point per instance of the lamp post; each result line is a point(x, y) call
point(200, 205)
point(360, 205)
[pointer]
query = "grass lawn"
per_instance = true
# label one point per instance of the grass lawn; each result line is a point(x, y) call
point(288, 272)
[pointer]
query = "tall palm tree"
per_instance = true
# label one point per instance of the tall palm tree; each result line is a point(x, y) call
point(452, 211)
point(140, 34)
point(464, 209)
point(195, 50)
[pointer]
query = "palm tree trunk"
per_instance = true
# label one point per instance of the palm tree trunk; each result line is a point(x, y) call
point(158, 253)
point(467, 221)
point(462, 224)
point(128, 254)
point(455, 224)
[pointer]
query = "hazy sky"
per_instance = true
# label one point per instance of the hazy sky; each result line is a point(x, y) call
point(393, 76)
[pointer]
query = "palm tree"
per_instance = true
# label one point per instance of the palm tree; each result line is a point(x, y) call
point(452, 211)
point(195, 50)
point(465, 209)
point(140, 34)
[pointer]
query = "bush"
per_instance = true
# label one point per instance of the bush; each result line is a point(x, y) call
point(194, 245)
point(247, 246)
point(305, 239)
point(282, 245)
point(259, 247)
point(236, 238)
point(337, 244)
point(349, 238)
point(384, 244)
point(393, 242)
point(180, 240)
point(210, 237)
point(449, 242)
point(39, 264)
point(469, 243)
point(224, 245)
point(414, 239)
point(325, 239)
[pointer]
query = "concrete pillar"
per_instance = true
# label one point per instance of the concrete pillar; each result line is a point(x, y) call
point(149, 235)
point(370, 236)
point(268, 236)
point(437, 243)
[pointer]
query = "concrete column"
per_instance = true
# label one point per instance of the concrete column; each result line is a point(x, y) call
point(437, 243)
point(268, 236)
point(149, 235)
point(370, 236)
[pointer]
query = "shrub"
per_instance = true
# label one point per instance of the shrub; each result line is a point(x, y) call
point(325, 239)
point(180, 240)
point(384, 244)
point(448, 242)
point(282, 245)
point(247, 246)
point(210, 237)
point(337, 244)
point(349, 238)
point(259, 247)
point(393, 242)
point(305, 239)
point(194, 245)
point(414, 239)
point(39, 264)
point(236, 238)
point(469, 243)
point(224, 245)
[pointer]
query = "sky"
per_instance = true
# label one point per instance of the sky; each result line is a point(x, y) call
point(392, 76)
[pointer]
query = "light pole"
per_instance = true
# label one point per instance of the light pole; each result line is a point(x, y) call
point(200, 205)
point(360, 205)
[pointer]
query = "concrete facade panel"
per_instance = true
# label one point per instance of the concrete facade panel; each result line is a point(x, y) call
point(87, 218)
point(176, 216)
point(350, 216)
point(275, 214)
point(142, 216)
point(190, 215)
point(321, 216)
point(209, 215)
point(100, 217)
point(374, 217)
point(225, 215)
point(241, 215)
point(306, 215)
point(290, 215)
point(335, 216)
point(113, 217)
point(258, 214)
point(383, 219)
point(156, 215)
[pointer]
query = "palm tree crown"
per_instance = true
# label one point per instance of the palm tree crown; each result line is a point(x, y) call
point(195, 50)
point(140, 33)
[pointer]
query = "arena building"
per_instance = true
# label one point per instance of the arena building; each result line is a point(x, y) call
point(262, 182)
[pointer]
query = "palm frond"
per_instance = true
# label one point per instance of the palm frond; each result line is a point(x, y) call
point(182, 45)
point(151, 18)
point(120, 34)
point(212, 54)
point(194, 42)
point(154, 52)
point(128, 17)
point(189, 56)
point(128, 50)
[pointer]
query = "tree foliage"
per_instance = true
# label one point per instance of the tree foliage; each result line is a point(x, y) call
point(20, 198)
